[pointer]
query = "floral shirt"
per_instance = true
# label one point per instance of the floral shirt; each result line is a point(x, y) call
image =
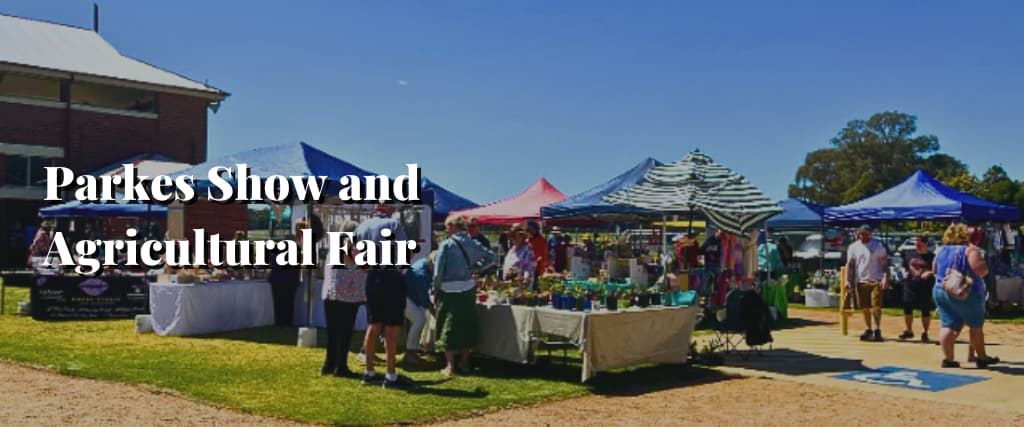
point(344, 284)
point(520, 259)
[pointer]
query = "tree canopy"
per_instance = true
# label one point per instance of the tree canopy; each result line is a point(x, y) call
point(868, 156)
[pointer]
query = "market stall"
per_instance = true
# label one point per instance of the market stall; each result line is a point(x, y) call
point(608, 339)
point(181, 309)
point(697, 185)
point(923, 198)
point(443, 200)
point(523, 206)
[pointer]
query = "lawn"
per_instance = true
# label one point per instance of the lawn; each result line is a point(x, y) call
point(261, 371)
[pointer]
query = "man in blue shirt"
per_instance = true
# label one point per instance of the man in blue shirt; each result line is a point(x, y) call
point(385, 298)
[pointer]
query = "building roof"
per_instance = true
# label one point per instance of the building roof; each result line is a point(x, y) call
point(64, 48)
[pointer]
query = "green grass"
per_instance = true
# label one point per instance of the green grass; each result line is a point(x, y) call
point(261, 371)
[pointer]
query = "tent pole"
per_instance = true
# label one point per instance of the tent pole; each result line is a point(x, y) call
point(664, 250)
point(821, 259)
point(308, 274)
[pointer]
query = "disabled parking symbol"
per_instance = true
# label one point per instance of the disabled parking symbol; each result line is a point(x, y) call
point(910, 378)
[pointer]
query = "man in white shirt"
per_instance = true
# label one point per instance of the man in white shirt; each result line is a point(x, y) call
point(866, 261)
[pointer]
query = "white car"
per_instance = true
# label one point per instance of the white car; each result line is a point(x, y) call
point(811, 249)
point(908, 246)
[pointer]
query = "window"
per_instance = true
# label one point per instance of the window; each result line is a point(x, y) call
point(15, 170)
point(113, 97)
point(25, 170)
point(29, 87)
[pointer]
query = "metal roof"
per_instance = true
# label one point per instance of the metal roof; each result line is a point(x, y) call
point(64, 48)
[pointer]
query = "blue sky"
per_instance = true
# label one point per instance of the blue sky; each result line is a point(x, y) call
point(488, 96)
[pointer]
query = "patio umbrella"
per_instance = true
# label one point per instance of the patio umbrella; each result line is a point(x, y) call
point(698, 184)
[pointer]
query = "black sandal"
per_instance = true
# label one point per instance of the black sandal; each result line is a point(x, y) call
point(986, 362)
point(950, 364)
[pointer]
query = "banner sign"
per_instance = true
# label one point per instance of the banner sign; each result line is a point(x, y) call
point(82, 298)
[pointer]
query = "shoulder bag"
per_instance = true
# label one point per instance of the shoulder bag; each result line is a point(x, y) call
point(957, 283)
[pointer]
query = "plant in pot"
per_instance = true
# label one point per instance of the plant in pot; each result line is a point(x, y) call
point(655, 296)
point(611, 300)
point(579, 294)
point(643, 299)
point(531, 299)
point(556, 295)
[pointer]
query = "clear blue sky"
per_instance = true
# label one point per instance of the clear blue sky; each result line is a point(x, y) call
point(488, 96)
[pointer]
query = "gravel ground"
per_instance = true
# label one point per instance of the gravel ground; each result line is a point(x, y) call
point(746, 402)
point(38, 397)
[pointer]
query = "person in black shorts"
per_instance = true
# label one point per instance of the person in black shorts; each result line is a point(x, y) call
point(385, 299)
point(917, 289)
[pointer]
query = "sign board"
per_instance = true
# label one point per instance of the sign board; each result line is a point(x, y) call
point(84, 298)
point(910, 378)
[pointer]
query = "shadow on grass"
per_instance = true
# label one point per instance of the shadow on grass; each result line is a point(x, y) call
point(279, 335)
point(424, 387)
point(792, 362)
point(622, 382)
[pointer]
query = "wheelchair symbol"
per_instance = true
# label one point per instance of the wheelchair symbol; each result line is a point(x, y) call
point(898, 378)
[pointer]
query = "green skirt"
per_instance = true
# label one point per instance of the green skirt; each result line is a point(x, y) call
point(458, 327)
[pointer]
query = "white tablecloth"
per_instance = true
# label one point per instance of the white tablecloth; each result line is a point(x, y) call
point(1010, 289)
point(609, 339)
point(196, 309)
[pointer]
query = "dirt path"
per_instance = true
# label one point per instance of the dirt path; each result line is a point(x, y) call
point(36, 397)
point(747, 402)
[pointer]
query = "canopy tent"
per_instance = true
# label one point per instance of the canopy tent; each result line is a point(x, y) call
point(523, 206)
point(698, 184)
point(298, 159)
point(591, 203)
point(921, 197)
point(146, 164)
point(797, 215)
point(444, 201)
point(120, 209)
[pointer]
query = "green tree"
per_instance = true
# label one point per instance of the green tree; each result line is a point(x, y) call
point(868, 156)
point(964, 182)
point(996, 186)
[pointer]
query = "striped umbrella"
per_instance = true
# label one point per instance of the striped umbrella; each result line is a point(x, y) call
point(698, 184)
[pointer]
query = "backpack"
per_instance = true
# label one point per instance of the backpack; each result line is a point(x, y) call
point(757, 320)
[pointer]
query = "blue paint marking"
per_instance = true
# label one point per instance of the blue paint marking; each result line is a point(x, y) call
point(910, 378)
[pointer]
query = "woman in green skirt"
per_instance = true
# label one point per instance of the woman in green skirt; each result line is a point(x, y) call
point(457, 258)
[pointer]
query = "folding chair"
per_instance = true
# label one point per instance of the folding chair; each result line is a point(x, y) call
point(730, 332)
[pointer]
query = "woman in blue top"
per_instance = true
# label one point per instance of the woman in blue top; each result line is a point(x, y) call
point(457, 324)
point(957, 254)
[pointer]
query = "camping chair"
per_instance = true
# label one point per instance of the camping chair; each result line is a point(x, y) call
point(729, 332)
point(745, 311)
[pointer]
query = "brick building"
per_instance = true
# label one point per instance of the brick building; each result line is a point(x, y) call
point(69, 98)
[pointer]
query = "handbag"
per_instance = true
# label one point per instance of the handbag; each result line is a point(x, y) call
point(956, 283)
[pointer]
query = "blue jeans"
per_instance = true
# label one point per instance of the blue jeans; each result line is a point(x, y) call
point(955, 313)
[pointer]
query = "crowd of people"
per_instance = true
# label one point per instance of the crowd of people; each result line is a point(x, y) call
point(441, 285)
point(952, 281)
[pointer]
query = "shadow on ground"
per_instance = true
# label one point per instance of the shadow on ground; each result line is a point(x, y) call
point(793, 362)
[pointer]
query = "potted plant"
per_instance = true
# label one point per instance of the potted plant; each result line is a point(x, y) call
point(655, 297)
point(580, 294)
point(556, 291)
point(611, 300)
point(643, 299)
